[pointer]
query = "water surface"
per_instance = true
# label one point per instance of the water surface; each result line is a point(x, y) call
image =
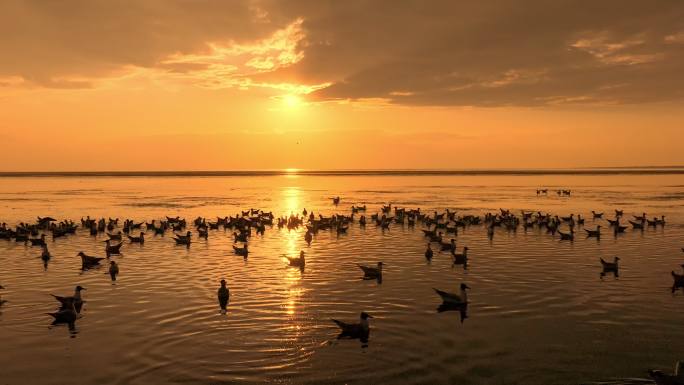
point(539, 312)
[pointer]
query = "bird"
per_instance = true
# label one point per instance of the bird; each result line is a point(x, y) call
point(452, 298)
point(183, 239)
point(38, 241)
point(243, 251)
point(308, 237)
point(372, 272)
point(113, 270)
point(460, 258)
point(596, 215)
point(359, 330)
point(448, 246)
point(223, 296)
point(45, 255)
point(140, 239)
point(76, 299)
point(660, 378)
point(112, 249)
point(567, 236)
point(678, 280)
point(637, 225)
point(428, 252)
point(594, 233)
point(299, 261)
point(66, 314)
point(114, 237)
point(89, 261)
point(610, 266)
point(2, 301)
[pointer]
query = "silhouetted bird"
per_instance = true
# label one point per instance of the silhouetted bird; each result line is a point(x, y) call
point(660, 378)
point(678, 280)
point(372, 272)
point(88, 261)
point(452, 298)
point(113, 270)
point(243, 251)
point(428, 252)
point(67, 314)
point(359, 330)
point(140, 239)
point(610, 266)
point(2, 301)
point(223, 296)
point(75, 299)
point(112, 249)
point(298, 262)
point(461, 258)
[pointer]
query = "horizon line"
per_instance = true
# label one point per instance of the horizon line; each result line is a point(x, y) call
point(611, 170)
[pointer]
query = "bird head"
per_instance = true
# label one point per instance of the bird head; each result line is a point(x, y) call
point(365, 315)
point(464, 286)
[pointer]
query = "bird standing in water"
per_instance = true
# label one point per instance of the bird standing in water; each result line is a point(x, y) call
point(223, 296)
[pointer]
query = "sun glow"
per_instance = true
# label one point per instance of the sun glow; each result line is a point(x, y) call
point(292, 101)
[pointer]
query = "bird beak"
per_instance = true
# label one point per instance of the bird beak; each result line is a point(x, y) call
point(369, 316)
point(467, 287)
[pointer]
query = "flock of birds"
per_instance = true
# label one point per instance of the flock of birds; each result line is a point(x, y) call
point(440, 229)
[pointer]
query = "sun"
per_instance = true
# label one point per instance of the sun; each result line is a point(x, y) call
point(292, 101)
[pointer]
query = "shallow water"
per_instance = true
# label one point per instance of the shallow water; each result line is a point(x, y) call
point(539, 313)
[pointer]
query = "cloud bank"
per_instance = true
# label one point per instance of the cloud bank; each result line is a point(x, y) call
point(432, 53)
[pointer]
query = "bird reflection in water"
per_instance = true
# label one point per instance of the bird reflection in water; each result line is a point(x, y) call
point(461, 308)
point(67, 314)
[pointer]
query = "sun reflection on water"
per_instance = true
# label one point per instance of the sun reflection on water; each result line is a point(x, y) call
point(291, 240)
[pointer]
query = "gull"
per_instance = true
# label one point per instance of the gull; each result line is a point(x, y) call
point(452, 298)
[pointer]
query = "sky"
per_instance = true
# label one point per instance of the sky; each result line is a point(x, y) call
point(94, 85)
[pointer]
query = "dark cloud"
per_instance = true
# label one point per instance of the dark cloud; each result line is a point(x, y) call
point(495, 53)
point(445, 53)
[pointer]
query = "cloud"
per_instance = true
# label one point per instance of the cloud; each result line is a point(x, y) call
point(437, 53)
point(528, 53)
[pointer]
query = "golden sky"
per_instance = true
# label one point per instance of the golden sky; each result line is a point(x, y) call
point(221, 85)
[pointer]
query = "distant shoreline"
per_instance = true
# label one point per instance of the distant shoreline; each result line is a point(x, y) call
point(649, 170)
